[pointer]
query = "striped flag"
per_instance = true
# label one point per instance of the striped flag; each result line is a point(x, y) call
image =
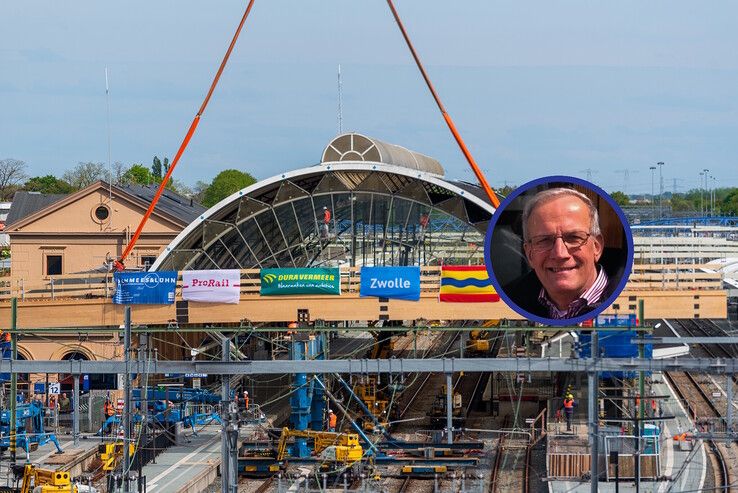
point(466, 284)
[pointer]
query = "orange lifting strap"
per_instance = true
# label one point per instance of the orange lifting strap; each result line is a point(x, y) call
point(119, 264)
point(478, 172)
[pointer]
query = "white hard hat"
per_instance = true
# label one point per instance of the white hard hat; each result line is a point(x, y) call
point(245, 392)
point(330, 411)
point(325, 208)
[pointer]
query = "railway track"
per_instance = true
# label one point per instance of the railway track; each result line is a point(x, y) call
point(510, 469)
point(696, 392)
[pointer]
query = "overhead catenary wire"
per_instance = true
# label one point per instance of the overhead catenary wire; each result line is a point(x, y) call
point(119, 264)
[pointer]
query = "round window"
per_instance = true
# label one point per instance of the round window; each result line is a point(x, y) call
point(102, 212)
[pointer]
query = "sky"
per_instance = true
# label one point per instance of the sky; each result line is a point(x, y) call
point(535, 88)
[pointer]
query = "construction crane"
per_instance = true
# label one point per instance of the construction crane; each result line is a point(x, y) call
point(337, 447)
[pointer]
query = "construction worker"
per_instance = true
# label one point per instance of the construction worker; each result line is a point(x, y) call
point(326, 222)
point(292, 328)
point(245, 400)
point(332, 420)
point(569, 410)
point(65, 405)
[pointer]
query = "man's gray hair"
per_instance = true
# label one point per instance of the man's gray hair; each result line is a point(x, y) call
point(544, 196)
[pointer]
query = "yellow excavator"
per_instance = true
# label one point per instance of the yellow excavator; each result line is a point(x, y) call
point(336, 447)
point(38, 480)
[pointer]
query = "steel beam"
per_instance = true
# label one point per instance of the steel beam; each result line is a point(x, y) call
point(391, 366)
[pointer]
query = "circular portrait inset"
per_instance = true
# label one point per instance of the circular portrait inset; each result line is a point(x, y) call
point(559, 250)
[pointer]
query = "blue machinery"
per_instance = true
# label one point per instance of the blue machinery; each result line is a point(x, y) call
point(308, 410)
point(30, 427)
point(161, 412)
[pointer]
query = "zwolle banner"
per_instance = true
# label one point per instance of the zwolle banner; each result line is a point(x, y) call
point(300, 281)
point(402, 283)
point(145, 288)
point(212, 286)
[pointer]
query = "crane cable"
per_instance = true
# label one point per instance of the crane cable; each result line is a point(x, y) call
point(469, 158)
point(119, 264)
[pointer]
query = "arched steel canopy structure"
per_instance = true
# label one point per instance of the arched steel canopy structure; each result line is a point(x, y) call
point(401, 212)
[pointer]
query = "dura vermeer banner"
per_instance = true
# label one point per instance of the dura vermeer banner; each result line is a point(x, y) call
point(402, 283)
point(145, 288)
point(300, 281)
point(212, 286)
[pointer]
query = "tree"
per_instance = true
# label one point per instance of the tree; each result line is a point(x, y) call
point(159, 169)
point(139, 174)
point(729, 205)
point(12, 174)
point(85, 174)
point(620, 198)
point(226, 183)
point(47, 184)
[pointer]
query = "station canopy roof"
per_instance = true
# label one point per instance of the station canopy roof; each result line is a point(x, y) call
point(388, 206)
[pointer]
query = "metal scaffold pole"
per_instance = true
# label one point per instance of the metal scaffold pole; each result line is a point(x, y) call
point(225, 414)
point(593, 418)
point(75, 409)
point(13, 376)
point(127, 402)
point(449, 409)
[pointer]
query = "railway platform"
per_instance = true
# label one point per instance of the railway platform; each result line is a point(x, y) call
point(680, 469)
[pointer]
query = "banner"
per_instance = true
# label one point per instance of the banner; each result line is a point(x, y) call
point(402, 283)
point(145, 288)
point(300, 281)
point(212, 286)
point(466, 284)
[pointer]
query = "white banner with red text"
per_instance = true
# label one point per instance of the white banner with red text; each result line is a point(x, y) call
point(211, 286)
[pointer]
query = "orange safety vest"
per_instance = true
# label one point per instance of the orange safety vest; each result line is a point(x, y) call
point(246, 402)
point(6, 336)
point(326, 216)
point(332, 420)
point(569, 404)
point(653, 404)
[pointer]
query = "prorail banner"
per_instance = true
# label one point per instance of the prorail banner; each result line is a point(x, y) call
point(212, 286)
point(278, 282)
point(145, 288)
point(402, 283)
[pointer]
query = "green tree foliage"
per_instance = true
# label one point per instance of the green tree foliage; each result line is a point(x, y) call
point(729, 204)
point(47, 184)
point(85, 174)
point(226, 183)
point(138, 174)
point(620, 198)
point(159, 168)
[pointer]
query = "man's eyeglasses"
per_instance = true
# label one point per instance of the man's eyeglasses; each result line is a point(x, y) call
point(572, 240)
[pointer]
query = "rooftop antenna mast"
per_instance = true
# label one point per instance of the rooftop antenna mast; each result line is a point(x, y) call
point(340, 103)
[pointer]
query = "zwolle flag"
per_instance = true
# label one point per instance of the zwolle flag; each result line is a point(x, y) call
point(466, 284)
point(212, 286)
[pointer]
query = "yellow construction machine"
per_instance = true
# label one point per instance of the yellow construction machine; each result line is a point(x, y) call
point(333, 446)
point(38, 480)
point(112, 453)
point(366, 390)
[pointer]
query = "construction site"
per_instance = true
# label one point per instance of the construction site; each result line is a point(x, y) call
point(337, 327)
point(339, 391)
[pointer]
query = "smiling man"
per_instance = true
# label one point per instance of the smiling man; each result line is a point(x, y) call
point(563, 244)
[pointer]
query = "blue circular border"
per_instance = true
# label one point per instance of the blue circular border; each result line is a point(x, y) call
point(629, 257)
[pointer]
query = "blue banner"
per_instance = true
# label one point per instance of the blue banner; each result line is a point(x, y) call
point(402, 283)
point(145, 288)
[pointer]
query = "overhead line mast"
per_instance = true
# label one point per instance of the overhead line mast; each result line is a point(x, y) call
point(119, 264)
